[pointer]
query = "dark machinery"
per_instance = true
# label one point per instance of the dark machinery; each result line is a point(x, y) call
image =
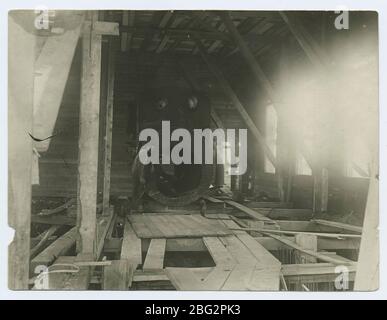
point(170, 184)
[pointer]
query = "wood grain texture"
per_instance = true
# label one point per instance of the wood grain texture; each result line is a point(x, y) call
point(155, 256)
point(88, 140)
point(176, 226)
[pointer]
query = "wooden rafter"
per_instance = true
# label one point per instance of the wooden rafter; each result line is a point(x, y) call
point(215, 35)
point(234, 98)
point(249, 57)
point(311, 48)
point(163, 23)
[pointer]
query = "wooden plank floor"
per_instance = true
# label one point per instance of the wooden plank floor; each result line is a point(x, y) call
point(241, 263)
point(176, 226)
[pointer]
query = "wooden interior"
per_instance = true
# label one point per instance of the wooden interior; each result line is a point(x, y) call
point(285, 230)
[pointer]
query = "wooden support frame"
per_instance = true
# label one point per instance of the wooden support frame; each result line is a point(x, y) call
point(108, 127)
point(367, 275)
point(283, 172)
point(164, 21)
point(319, 59)
point(59, 247)
point(88, 139)
point(129, 35)
point(249, 57)
point(311, 253)
point(89, 132)
point(238, 105)
point(307, 43)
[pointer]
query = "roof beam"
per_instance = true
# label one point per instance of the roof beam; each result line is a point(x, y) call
point(126, 37)
point(248, 55)
point(173, 31)
point(311, 48)
point(88, 139)
point(163, 23)
point(238, 105)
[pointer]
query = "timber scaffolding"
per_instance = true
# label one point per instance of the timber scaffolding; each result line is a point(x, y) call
point(231, 246)
point(89, 242)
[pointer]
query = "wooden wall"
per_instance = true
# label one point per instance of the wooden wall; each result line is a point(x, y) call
point(58, 166)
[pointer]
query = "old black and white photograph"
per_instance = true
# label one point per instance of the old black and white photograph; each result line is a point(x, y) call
point(193, 150)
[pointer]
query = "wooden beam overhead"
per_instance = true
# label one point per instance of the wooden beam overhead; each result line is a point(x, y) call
point(184, 32)
point(249, 57)
point(154, 259)
point(163, 23)
point(150, 32)
point(238, 105)
point(128, 18)
point(250, 212)
point(196, 244)
point(106, 28)
point(216, 119)
point(311, 48)
point(297, 272)
point(320, 256)
point(320, 189)
point(367, 275)
point(124, 34)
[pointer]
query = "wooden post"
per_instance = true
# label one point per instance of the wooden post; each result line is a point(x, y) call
point(88, 139)
point(308, 242)
point(311, 48)
point(21, 53)
point(89, 132)
point(367, 274)
point(286, 146)
point(109, 128)
point(319, 59)
point(320, 189)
